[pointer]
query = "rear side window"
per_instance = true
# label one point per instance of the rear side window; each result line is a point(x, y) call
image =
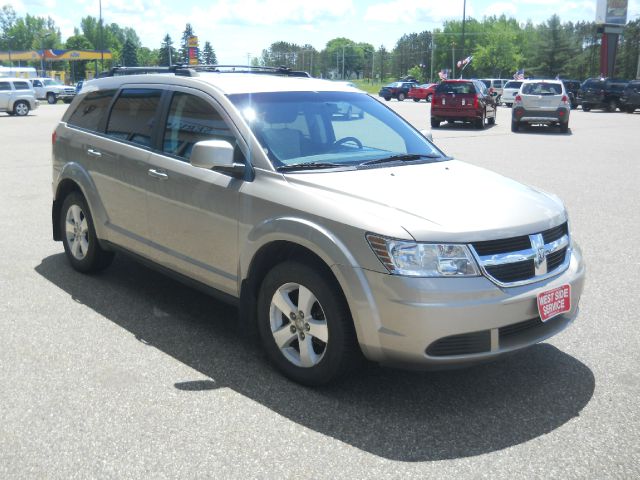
point(4, 86)
point(456, 87)
point(91, 110)
point(133, 115)
point(192, 119)
point(22, 85)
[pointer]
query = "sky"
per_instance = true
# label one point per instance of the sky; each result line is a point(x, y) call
point(241, 29)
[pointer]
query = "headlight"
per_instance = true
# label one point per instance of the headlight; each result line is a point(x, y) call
point(414, 259)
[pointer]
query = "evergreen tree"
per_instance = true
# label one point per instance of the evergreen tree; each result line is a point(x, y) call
point(129, 54)
point(167, 55)
point(184, 48)
point(209, 54)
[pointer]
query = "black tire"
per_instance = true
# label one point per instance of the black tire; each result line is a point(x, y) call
point(612, 105)
point(331, 359)
point(51, 98)
point(515, 126)
point(435, 123)
point(492, 120)
point(416, 99)
point(387, 98)
point(429, 98)
point(564, 127)
point(630, 109)
point(21, 108)
point(95, 258)
point(480, 122)
point(401, 97)
point(586, 107)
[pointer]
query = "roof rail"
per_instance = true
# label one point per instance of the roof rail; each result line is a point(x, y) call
point(192, 70)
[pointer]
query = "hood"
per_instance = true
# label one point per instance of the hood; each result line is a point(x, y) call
point(443, 201)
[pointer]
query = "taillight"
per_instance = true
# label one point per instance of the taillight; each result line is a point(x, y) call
point(565, 100)
point(475, 101)
point(518, 98)
point(54, 137)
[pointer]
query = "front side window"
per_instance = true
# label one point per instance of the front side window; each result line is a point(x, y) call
point(4, 86)
point(91, 110)
point(133, 115)
point(192, 119)
point(330, 129)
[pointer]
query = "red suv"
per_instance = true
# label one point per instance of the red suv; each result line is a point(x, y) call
point(463, 101)
point(422, 92)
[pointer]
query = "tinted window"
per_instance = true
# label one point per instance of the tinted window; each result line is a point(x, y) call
point(513, 85)
point(192, 119)
point(91, 110)
point(133, 115)
point(37, 83)
point(5, 86)
point(593, 83)
point(22, 85)
point(456, 87)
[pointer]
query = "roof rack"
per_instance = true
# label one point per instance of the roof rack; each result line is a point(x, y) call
point(192, 70)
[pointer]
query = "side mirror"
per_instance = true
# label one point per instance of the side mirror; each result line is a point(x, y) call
point(216, 155)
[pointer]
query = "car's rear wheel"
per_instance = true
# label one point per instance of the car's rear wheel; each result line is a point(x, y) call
point(51, 98)
point(435, 123)
point(586, 107)
point(79, 236)
point(387, 98)
point(612, 105)
point(480, 122)
point(416, 99)
point(305, 324)
point(429, 97)
point(401, 97)
point(564, 127)
point(21, 108)
point(515, 126)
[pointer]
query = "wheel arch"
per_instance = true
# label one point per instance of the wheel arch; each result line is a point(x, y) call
point(74, 177)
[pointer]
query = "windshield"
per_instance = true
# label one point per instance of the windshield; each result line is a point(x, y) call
point(330, 129)
point(456, 87)
point(50, 82)
point(513, 85)
point(542, 88)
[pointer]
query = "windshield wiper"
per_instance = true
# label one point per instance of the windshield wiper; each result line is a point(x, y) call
point(403, 157)
point(310, 166)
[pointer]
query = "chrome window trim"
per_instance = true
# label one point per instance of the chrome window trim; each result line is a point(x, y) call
point(538, 252)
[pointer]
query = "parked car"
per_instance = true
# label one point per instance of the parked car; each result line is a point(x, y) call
point(51, 90)
point(335, 237)
point(630, 99)
point(541, 102)
point(17, 96)
point(398, 90)
point(463, 101)
point(509, 92)
point(602, 93)
point(572, 87)
point(422, 92)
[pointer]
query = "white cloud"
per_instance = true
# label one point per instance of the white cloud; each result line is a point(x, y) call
point(402, 11)
point(501, 8)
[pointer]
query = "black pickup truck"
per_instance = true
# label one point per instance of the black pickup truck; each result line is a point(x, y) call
point(602, 93)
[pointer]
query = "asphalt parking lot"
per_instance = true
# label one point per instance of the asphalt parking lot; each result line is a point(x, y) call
point(129, 374)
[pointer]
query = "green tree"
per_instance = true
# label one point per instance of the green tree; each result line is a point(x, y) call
point(184, 48)
point(167, 55)
point(209, 54)
point(499, 54)
point(79, 68)
point(147, 57)
point(553, 50)
point(129, 54)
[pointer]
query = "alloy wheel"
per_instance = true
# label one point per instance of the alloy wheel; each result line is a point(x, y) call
point(77, 232)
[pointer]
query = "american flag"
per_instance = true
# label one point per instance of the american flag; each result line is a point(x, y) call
point(519, 75)
point(443, 74)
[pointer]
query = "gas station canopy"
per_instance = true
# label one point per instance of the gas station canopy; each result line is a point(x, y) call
point(55, 55)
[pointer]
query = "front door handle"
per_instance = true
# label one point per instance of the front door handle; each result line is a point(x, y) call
point(159, 174)
point(94, 153)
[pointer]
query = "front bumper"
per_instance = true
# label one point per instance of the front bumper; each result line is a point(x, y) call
point(446, 322)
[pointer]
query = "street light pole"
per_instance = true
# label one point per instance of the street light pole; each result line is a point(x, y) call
point(102, 39)
point(464, 15)
point(343, 62)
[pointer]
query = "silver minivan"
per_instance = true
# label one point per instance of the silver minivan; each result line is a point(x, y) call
point(337, 236)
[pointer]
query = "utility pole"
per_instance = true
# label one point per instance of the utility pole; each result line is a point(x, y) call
point(343, 62)
point(453, 58)
point(433, 51)
point(464, 15)
point(102, 40)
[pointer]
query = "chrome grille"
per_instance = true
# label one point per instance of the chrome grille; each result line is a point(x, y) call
point(524, 259)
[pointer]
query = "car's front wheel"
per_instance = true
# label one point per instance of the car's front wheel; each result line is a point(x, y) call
point(305, 324)
point(51, 98)
point(21, 108)
point(79, 236)
point(401, 97)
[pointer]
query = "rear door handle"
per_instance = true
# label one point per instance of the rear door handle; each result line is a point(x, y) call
point(159, 174)
point(94, 153)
